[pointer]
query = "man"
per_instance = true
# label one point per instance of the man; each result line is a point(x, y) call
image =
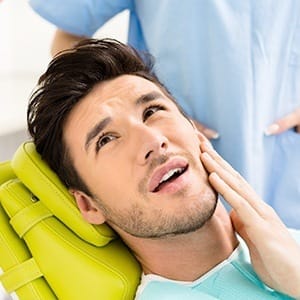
point(232, 65)
point(131, 158)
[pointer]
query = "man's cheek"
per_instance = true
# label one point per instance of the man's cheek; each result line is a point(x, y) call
point(192, 145)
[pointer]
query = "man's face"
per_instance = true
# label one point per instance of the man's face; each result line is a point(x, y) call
point(139, 156)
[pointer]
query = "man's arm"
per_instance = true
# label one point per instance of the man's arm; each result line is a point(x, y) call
point(275, 255)
point(63, 40)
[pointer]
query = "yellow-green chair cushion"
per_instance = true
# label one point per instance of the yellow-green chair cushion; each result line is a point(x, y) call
point(44, 183)
point(43, 254)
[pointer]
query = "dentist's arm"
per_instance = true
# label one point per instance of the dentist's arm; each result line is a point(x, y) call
point(63, 40)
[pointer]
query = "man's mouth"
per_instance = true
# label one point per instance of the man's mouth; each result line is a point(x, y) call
point(167, 174)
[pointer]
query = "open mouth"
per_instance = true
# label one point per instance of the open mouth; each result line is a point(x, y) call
point(169, 177)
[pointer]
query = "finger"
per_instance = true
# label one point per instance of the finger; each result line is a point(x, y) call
point(289, 121)
point(208, 132)
point(234, 181)
point(207, 147)
point(213, 162)
point(205, 144)
point(202, 138)
point(241, 207)
point(228, 175)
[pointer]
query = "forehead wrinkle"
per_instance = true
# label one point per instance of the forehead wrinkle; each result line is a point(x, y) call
point(144, 98)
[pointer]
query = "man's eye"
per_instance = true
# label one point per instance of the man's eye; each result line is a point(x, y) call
point(151, 110)
point(104, 139)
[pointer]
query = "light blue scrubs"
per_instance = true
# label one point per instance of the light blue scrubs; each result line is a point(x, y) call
point(233, 278)
point(233, 65)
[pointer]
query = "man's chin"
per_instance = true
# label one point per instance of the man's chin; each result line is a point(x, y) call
point(189, 221)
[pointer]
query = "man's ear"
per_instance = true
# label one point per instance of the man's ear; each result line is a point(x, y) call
point(88, 207)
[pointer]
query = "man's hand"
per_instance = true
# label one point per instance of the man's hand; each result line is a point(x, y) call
point(274, 253)
point(291, 120)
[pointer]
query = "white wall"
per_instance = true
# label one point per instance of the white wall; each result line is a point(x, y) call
point(25, 40)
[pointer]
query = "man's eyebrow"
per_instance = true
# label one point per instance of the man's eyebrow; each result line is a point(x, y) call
point(103, 123)
point(148, 97)
point(95, 131)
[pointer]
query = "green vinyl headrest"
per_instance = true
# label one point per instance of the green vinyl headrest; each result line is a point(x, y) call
point(47, 251)
point(6, 171)
point(45, 184)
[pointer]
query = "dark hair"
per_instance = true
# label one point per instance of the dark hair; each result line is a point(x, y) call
point(70, 76)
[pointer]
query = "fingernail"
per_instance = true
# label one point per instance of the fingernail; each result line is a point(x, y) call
point(211, 134)
point(215, 136)
point(272, 129)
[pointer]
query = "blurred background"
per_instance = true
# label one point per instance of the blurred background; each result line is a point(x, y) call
point(25, 40)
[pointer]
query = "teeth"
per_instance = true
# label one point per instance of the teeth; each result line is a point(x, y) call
point(170, 174)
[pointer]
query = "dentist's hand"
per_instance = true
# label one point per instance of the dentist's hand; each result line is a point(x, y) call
point(274, 253)
point(208, 132)
point(289, 121)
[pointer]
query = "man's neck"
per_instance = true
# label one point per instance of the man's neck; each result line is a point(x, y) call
point(186, 257)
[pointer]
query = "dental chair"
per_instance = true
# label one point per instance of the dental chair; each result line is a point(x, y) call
point(47, 251)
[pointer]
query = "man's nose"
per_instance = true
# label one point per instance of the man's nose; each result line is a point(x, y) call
point(152, 144)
